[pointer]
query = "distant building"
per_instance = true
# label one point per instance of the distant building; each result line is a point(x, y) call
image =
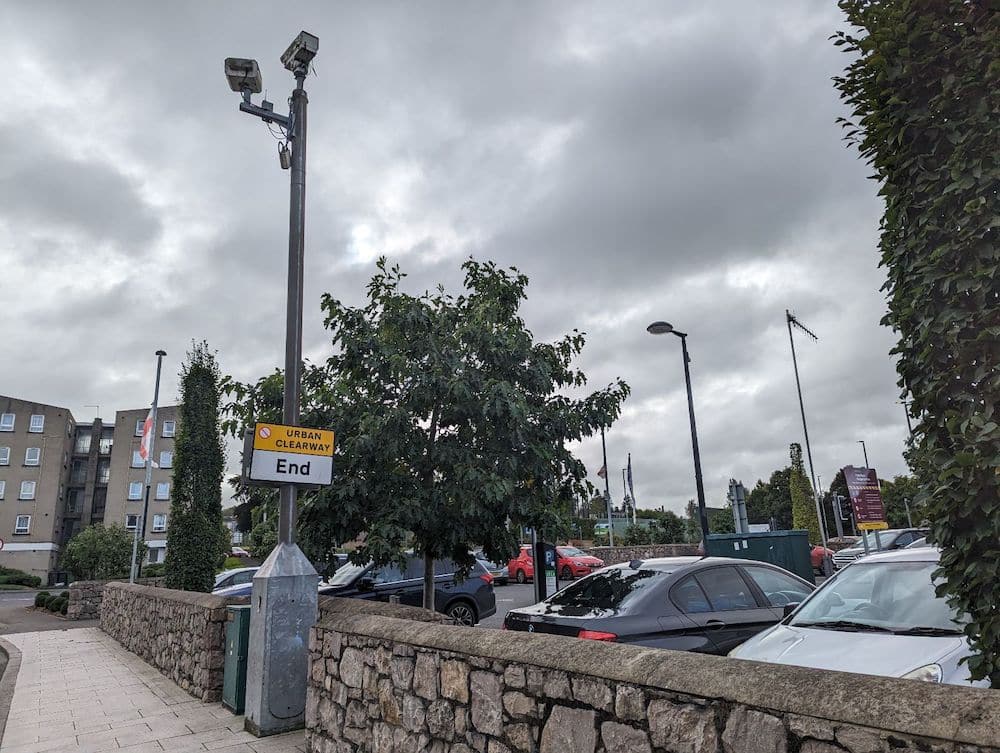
point(58, 477)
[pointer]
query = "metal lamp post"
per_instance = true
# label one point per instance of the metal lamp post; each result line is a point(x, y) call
point(662, 328)
point(284, 600)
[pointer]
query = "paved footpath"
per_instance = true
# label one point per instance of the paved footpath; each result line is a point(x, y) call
point(79, 691)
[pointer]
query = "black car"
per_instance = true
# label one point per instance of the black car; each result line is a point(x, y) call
point(466, 600)
point(705, 604)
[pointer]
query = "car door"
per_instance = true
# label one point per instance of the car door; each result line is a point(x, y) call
point(688, 630)
point(777, 588)
point(387, 580)
point(736, 614)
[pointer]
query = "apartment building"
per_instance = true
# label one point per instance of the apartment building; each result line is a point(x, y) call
point(127, 476)
point(57, 477)
point(35, 444)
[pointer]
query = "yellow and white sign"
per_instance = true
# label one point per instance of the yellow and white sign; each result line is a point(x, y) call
point(876, 525)
point(292, 455)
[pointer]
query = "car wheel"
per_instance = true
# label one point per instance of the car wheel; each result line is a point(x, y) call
point(521, 578)
point(462, 613)
point(567, 573)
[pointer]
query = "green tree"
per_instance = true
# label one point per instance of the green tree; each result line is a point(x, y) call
point(803, 501)
point(196, 538)
point(922, 88)
point(100, 553)
point(598, 507)
point(896, 495)
point(450, 420)
point(670, 528)
point(771, 500)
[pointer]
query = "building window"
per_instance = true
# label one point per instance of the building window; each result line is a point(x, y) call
point(33, 456)
point(4, 455)
point(37, 424)
point(135, 490)
point(166, 459)
point(163, 490)
point(6, 422)
point(103, 471)
point(22, 524)
point(27, 490)
point(137, 461)
point(82, 446)
point(169, 428)
point(107, 442)
point(138, 426)
point(131, 521)
point(154, 555)
point(159, 523)
point(3, 487)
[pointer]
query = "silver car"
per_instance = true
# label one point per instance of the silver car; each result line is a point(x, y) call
point(893, 538)
point(878, 616)
point(235, 577)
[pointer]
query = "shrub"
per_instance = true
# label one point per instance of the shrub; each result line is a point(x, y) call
point(41, 598)
point(65, 606)
point(21, 579)
point(54, 604)
point(156, 570)
point(100, 553)
point(64, 595)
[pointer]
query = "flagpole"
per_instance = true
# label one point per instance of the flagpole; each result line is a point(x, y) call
point(607, 492)
point(631, 491)
point(140, 528)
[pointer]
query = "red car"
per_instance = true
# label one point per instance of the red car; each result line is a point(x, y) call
point(570, 562)
point(816, 554)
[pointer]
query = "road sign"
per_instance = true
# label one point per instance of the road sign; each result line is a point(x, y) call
point(866, 498)
point(291, 455)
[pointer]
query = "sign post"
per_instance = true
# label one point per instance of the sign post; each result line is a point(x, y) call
point(866, 501)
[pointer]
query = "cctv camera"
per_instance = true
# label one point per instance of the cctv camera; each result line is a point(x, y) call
point(243, 75)
point(300, 52)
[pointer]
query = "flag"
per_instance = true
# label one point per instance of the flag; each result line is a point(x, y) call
point(146, 445)
point(603, 473)
point(631, 491)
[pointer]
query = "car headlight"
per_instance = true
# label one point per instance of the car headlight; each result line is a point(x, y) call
point(578, 564)
point(926, 673)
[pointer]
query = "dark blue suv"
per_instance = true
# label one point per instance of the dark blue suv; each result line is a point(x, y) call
point(466, 600)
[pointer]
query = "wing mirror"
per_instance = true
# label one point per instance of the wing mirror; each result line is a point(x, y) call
point(789, 608)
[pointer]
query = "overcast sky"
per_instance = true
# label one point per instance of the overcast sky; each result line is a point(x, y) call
point(638, 161)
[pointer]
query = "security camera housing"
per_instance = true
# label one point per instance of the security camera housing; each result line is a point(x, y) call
point(243, 75)
point(300, 52)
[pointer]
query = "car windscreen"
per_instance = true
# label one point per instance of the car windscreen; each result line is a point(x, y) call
point(346, 574)
point(890, 596)
point(605, 593)
point(571, 551)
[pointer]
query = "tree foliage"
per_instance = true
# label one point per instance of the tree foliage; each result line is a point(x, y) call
point(451, 420)
point(922, 89)
point(771, 501)
point(196, 538)
point(803, 502)
point(100, 553)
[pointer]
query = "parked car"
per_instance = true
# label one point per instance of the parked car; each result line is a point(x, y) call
point(570, 563)
point(466, 600)
point(238, 551)
point(817, 555)
point(878, 616)
point(235, 577)
point(499, 571)
point(919, 543)
point(704, 604)
point(888, 540)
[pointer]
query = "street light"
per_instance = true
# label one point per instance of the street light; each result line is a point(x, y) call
point(663, 328)
point(284, 596)
point(865, 451)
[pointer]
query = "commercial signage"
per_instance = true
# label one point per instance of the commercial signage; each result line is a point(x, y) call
point(291, 455)
point(866, 499)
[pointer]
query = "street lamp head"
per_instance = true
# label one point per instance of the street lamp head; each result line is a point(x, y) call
point(660, 328)
point(161, 353)
point(243, 75)
point(300, 52)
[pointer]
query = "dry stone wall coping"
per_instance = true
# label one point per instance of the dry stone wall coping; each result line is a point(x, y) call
point(613, 555)
point(343, 607)
point(617, 679)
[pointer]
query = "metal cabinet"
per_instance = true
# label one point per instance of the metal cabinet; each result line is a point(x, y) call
point(234, 680)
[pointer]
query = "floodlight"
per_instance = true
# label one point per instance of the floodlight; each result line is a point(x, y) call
point(300, 52)
point(243, 75)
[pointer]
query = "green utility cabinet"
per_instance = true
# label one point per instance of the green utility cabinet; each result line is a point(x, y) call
point(786, 549)
point(234, 678)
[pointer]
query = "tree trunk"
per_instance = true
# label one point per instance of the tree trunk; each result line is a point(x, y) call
point(428, 581)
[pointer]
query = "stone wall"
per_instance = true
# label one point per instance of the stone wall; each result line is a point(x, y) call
point(384, 684)
point(180, 633)
point(612, 555)
point(85, 596)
